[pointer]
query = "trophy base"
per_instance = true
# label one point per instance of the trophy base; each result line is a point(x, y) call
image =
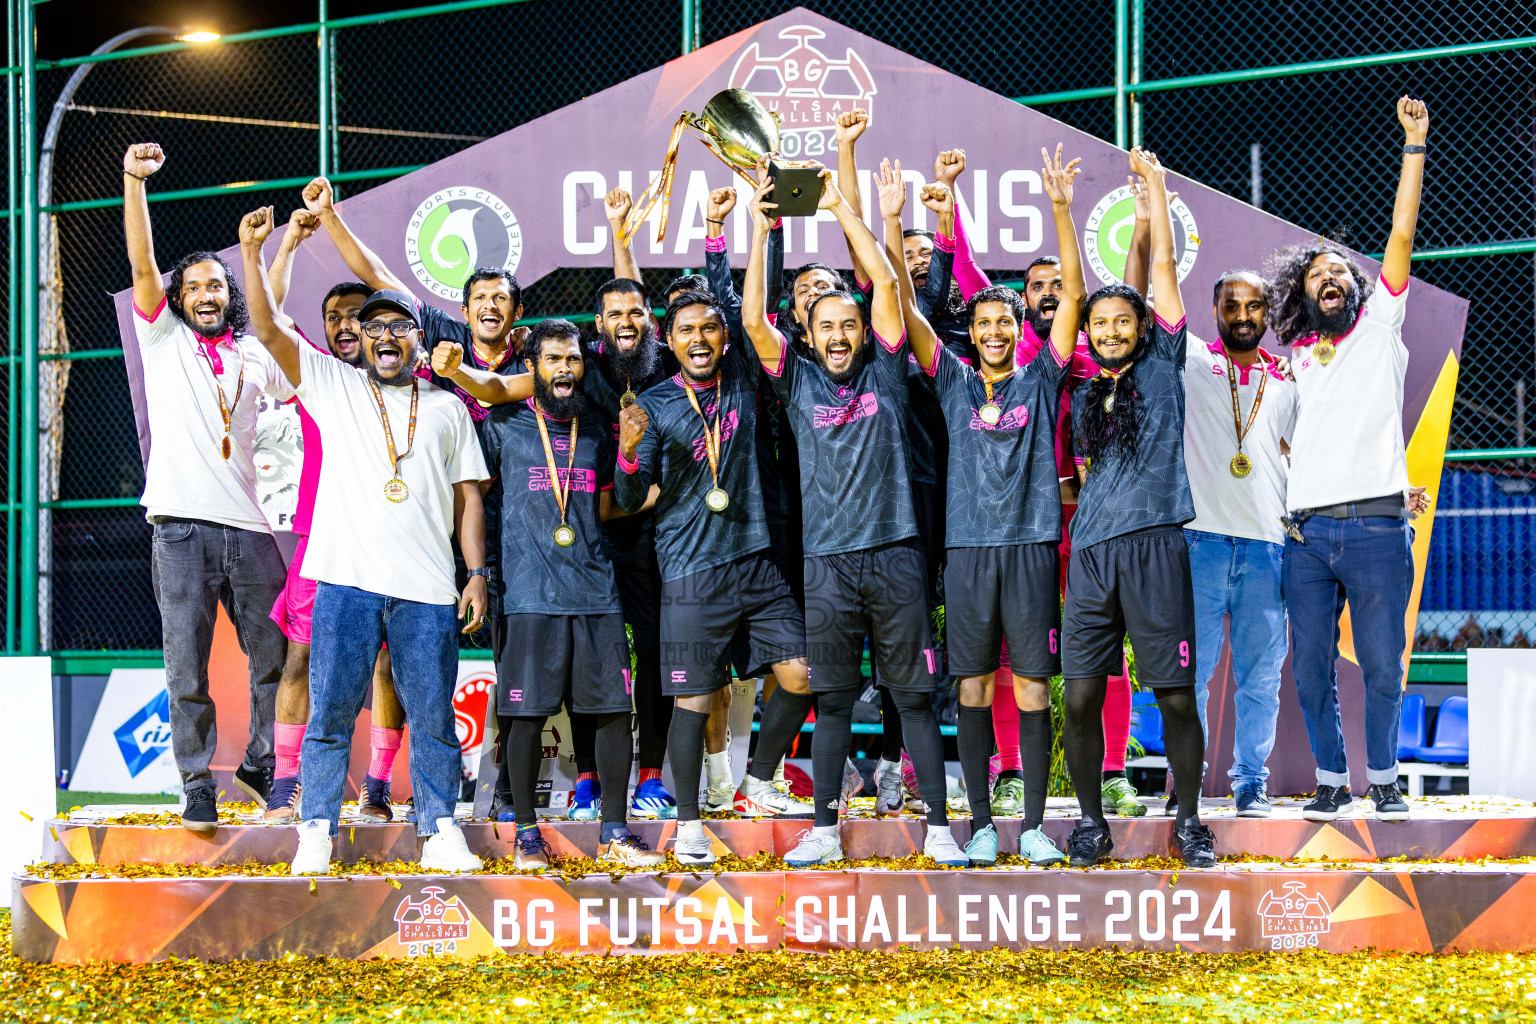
point(796, 190)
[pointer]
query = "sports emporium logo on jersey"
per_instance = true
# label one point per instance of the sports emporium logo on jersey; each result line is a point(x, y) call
point(1295, 918)
point(431, 925)
point(146, 734)
point(456, 230)
point(1107, 235)
point(807, 89)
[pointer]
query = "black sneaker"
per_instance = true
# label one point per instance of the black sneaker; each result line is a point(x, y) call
point(1328, 804)
point(1196, 843)
point(202, 811)
point(1088, 844)
point(257, 783)
point(1390, 805)
point(1252, 803)
point(1171, 808)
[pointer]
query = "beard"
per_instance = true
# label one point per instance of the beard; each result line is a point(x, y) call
point(1240, 342)
point(638, 362)
point(1337, 323)
point(1118, 361)
point(357, 359)
point(218, 330)
point(403, 376)
point(855, 365)
point(700, 377)
point(554, 406)
point(1040, 319)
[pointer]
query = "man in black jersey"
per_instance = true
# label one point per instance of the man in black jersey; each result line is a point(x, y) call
point(1003, 515)
point(864, 573)
point(695, 435)
point(1130, 563)
point(561, 617)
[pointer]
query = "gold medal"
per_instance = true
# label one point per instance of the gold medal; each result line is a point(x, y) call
point(990, 414)
point(627, 399)
point(565, 535)
point(224, 449)
point(1109, 403)
point(1240, 465)
point(716, 499)
point(395, 490)
point(226, 409)
point(1324, 351)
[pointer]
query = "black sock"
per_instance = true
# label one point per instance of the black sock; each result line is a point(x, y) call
point(1116, 775)
point(614, 749)
point(829, 750)
point(521, 758)
point(583, 738)
point(783, 716)
point(1185, 743)
point(973, 735)
point(653, 710)
point(920, 731)
point(685, 745)
point(890, 727)
point(1083, 738)
point(1010, 773)
point(1035, 755)
point(503, 776)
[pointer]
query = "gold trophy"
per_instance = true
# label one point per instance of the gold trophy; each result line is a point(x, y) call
point(738, 129)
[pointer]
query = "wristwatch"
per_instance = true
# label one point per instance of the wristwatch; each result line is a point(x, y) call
point(1416, 149)
point(481, 572)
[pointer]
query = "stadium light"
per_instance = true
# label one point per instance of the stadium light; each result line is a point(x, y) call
point(199, 36)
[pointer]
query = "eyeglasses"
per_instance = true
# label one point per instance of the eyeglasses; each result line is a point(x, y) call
point(396, 328)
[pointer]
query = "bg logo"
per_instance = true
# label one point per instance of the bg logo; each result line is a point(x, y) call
point(456, 230)
point(146, 735)
point(1295, 918)
point(1107, 235)
point(431, 925)
point(806, 88)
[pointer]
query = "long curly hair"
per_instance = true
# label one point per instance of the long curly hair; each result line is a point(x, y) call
point(1101, 434)
point(1285, 276)
point(236, 318)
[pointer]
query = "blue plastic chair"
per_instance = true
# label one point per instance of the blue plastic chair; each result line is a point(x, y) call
point(1451, 744)
point(1147, 723)
point(1412, 733)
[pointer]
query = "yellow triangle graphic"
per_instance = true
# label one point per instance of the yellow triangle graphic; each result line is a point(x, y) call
point(43, 899)
point(78, 842)
point(1329, 842)
point(1370, 899)
point(712, 891)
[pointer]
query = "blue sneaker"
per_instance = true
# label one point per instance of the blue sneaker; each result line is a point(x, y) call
point(981, 851)
point(652, 801)
point(586, 801)
point(1036, 847)
point(501, 808)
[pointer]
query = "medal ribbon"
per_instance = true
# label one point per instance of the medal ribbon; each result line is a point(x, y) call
point(1258, 399)
point(661, 187)
point(987, 383)
point(226, 409)
point(389, 437)
point(711, 433)
point(562, 490)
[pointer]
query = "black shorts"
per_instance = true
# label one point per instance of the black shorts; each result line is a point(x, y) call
point(702, 613)
point(1136, 584)
point(1007, 592)
point(881, 593)
point(581, 661)
point(632, 546)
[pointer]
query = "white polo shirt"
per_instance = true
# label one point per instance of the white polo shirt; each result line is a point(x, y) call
point(1349, 433)
point(1249, 507)
point(358, 537)
point(187, 475)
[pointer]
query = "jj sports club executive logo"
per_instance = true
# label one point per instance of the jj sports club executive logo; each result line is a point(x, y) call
point(1293, 918)
point(146, 734)
point(1107, 235)
point(456, 230)
point(807, 88)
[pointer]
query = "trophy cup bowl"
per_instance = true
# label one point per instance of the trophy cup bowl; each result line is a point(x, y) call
point(740, 131)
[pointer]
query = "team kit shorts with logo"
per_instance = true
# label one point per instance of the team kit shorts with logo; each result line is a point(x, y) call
point(881, 593)
point(581, 661)
point(1003, 593)
point(742, 608)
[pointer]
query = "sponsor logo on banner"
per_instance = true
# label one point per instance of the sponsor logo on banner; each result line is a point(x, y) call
point(808, 89)
point(1293, 919)
point(146, 734)
point(471, 698)
point(454, 231)
point(431, 925)
point(279, 458)
point(1107, 235)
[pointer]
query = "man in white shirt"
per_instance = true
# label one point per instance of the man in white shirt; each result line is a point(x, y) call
point(1240, 409)
point(402, 475)
point(203, 378)
point(1349, 539)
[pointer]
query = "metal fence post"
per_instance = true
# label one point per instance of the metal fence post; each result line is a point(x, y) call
point(1135, 73)
point(12, 556)
point(324, 76)
point(1122, 45)
point(28, 333)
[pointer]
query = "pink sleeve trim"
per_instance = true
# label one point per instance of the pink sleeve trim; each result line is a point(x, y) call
point(627, 465)
point(1078, 460)
point(151, 317)
point(892, 348)
point(1391, 291)
point(777, 224)
point(606, 487)
point(1170, 328)
point(944, 242)
point(1057, 355)
point(938, 353)
point(715, 244)
point(778, 370)
point(967, 275)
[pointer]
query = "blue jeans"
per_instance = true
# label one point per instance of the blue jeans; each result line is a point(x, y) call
point(1241, 578)
point(1369, 563)
point(348, 628)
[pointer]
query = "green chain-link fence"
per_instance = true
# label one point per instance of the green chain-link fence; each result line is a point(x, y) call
point(1284, 105)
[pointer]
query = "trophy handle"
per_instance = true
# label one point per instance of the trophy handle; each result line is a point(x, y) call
point(660, 188)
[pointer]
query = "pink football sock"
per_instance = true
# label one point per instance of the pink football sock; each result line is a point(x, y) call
point(1005, 720)
point(1117, 721)
point(384, 744)
point(286, 741)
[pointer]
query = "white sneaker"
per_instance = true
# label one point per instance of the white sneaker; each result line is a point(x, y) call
point(888, 794)
point(693, 846)
point(941, 846)
point(817, 847)
point(721, 794)
point(314, 853)
point(779, 781)
point(759, 799)
point(447, 851)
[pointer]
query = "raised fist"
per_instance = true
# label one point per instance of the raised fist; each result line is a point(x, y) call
point(892, 190)
point(447, 358)
point(301, 224)
point(143, 159)
point(256, 226)
point(632, 424)
point(1147, 165)
point(1058, 179)
point(318, 196)
point(1413, 115)
point(947, 166)
point(616, 206)
point(721, 202)
point(938, 198)
point(850, 126)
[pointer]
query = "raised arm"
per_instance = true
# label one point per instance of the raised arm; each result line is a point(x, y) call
point(933, 300)
point(766, 340)
point(1414, 117)
point(483, 385)
point(1058, 185)
point(893, 196)
point(717, 259)
point(947, 167)
point(892, 288)
point(301, 224)
point(1166, 301)
point(849, 127)
point(271, 328)
point(360, 260)
point(616, 205)
point(1138, 259)
point(139, 162)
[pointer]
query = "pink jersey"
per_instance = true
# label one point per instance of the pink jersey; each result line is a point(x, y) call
point(1083, 368)
point(968, 277)
point(309, 474)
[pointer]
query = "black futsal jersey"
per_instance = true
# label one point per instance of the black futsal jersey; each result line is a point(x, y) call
point(541, 577)
point(674, 453)
point(1002, 479)
point(855, 468)
point(1120, 494)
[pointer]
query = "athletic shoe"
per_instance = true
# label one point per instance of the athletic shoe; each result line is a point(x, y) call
point(853, 785)
point(1252, 802)
point(373, 803)
point(816, 848)
point(981, 851)
point(1118, 792)
point(1088, 844)
point(630, 851)
point(1328, 804)
point(1389, 803)
point(780, 781)
point(994, 769)
point(257, 783)
point(532, 851)
point(1196, 843)
point(652, 801)
point(314, 853)
point(501, 808)
point(283, 804)
point(586, 801)
point(1036, 847)
point(447, 851)
point(888, 792)
point(201, 813)
point(759, 799)
point(718, 798)
point(1008, 797)
point(909, 783)
point(941, 846)
point(693, 847)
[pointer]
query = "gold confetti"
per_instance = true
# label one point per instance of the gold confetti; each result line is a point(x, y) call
point(24, 814)
point(352, 835)
point(53, 832)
